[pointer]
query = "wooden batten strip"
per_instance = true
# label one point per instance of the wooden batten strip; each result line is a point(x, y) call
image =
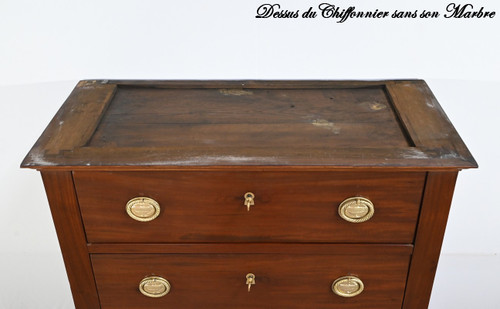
point(81, 114)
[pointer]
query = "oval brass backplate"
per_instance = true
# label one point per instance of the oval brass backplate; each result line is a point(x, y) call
point(356, 209)
point(154, 286)
point(348, 286)
point(143, 209)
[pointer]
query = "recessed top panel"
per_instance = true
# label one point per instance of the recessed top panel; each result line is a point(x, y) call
point(266, 124)
point(237, 118)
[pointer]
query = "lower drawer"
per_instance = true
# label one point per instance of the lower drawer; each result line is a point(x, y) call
point(219, 280)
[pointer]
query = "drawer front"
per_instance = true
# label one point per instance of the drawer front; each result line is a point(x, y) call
point(287, 207)
point(220, 280)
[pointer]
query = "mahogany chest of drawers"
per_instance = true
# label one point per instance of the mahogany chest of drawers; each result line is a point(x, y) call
point(250, 194)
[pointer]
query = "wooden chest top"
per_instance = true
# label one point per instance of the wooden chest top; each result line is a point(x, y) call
point(299, 124)
point(190, 194)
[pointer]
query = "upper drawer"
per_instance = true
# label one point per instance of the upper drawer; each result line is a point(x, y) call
point(288, 206)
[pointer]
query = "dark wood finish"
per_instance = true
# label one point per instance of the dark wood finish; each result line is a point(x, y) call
point(431, 227)
point(300, 124)
point(76, 120)
point(267, 118)
point(69, 228)
point(298, 158)
point(289, 206)
point(425, 120)
point(248, 84)
point(301, 146)
point(282, 281)
point(282, 248)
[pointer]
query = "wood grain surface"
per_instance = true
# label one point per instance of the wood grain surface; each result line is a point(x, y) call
point(209, 206)
point(71, 236)
point(302, 147)
point(270, 248)
point(282, 281)
point(172, 124)
point(326, 118)
point(429, 238)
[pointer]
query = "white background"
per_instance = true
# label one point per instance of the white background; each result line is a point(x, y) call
point(47, 46)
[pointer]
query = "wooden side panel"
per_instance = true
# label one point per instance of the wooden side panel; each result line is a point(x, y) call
point(432, 223)
point(282, 281)
point(66, 215)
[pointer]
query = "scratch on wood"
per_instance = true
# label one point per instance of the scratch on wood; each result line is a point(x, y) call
point(37, 158)
point(429, 103)
point(238, 92)
point(413, 153)
point(376, 106)
point(86, 84)
point(207, 160)
point(451, 155)
point(325, 124)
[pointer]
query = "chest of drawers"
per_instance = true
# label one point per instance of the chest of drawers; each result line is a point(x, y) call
point(250, 194)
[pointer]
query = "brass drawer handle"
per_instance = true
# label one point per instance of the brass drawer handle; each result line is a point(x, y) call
point(143, 209)
point(154, 286)
point(249, 196)
point(250, 280)
point(356, 209)
point(348, 286)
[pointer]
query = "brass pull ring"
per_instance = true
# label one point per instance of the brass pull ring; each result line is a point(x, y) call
point(348, 286)
point(143, 209)
point(356, 209)
point(154, 286)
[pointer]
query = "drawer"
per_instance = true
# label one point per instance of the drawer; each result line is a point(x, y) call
point(281, 280)
point(288, 206)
